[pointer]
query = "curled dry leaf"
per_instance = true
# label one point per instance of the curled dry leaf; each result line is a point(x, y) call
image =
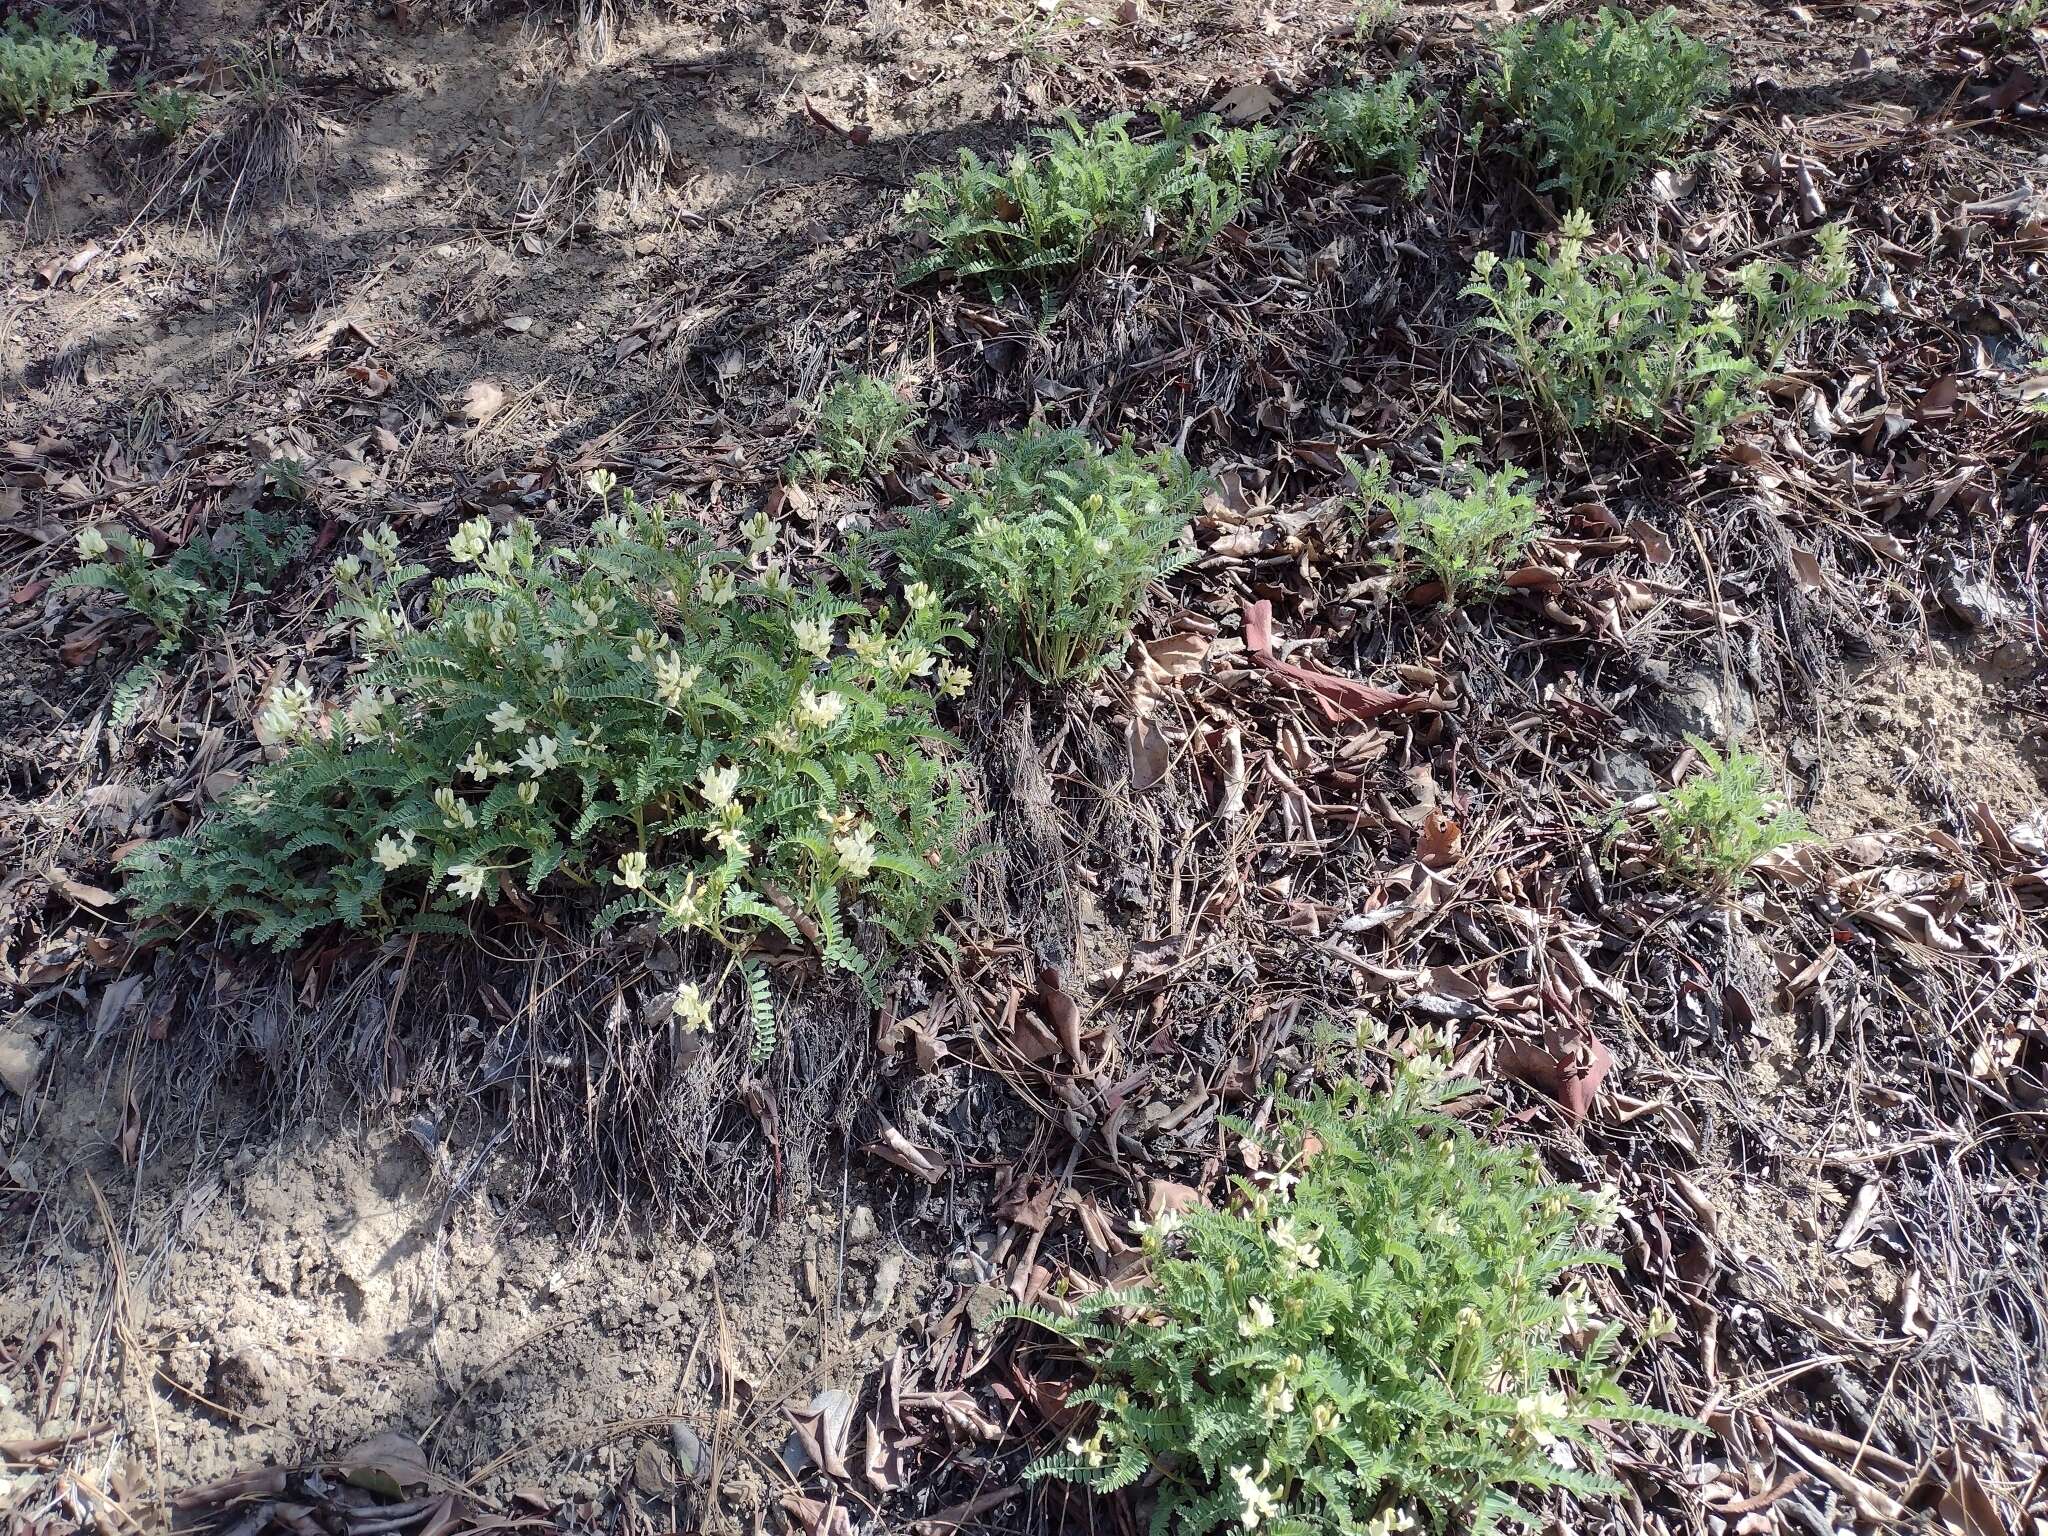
point(385, 1464)
point(1568, 1065)
point(895, 1147)
point(1340, 697)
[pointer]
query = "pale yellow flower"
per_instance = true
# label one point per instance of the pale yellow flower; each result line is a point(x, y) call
point(395, 852)
point(856, 850)
point(692, 1008)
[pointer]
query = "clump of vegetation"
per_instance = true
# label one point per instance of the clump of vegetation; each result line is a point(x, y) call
point(1463, 533)
point(1720, 821)
point(1093, 187)
point(862, 426)
point(1372, 1337)
point(1603, 342)
point(1375, 130)
point(46, 69)
point(191, 591)
point(170, 111)
point(2012, 26)
point(1600, 101)
point(1053, 544)
point(1374, 19)
point(646, 711)
point(198, 584)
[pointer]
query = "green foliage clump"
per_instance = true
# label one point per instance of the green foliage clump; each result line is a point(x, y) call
point(1374, 19)
point(191, 591)
point(1375, 130)
point(1092, 187)
point(1053, 544)
point(1372, 1337)
point(1717, 823)
point(46, 69)
point(862, 425)
point(645, 712)
point(1461, 534)
point(2012, 26)
point(1602, 100)
point(196, 586)
point(1606, 343)
point(170, 111)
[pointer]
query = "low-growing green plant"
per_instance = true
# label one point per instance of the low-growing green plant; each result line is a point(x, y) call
point(1782, 302)
point(1719, 822)
point(2012, 26)
point(1053, 543)
point(1463, 533)
point(1375, 130)
point(46, 69)
point(1374, 19)
point(862, 425)
point(1092, 187)
point(191, 590)
point(197, 585)
point(287, 479)
point(1377, 1334)
point(1600, 101)
point(1603, 342)
point(170, 111)
point(645, 712)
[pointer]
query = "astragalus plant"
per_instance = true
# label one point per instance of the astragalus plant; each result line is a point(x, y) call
point(1464, 531)
point(1092, 186)
point(1599, 100)
point(1381, 1330)
point(1052, 544)
point(642, 714)
point(1605, 342)
point(862, 426)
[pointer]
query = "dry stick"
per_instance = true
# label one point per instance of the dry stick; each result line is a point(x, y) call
point(1721, 627)
point(117, 1315)
point(26, 1450)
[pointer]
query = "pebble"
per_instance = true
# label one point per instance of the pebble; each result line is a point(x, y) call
point(21, 1061)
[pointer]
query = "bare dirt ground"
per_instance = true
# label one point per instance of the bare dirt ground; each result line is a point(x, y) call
point(256, 1213)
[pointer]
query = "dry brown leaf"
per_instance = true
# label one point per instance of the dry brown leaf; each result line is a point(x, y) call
point(1251, 102)
point(385, 1464)
point(481, 401)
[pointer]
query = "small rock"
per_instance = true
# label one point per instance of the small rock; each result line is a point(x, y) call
point(689, 1450)
point(21, 1061)
point(700, 1263)
point(1694, 702)
point(239, 1381)
point(654, 1471)
point(983, 1303)
point(1629, 775)
point(888, 1276)
point(1974, 602)
point(964, 1268)
point(860, 1226)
